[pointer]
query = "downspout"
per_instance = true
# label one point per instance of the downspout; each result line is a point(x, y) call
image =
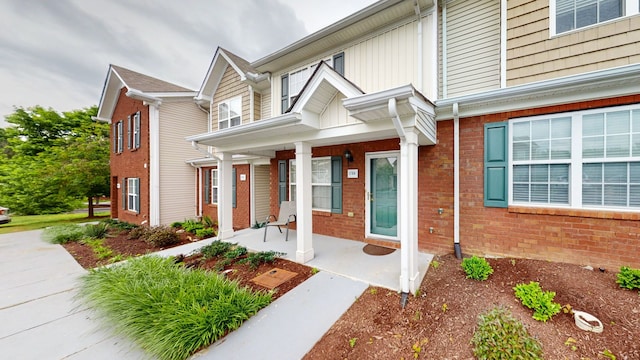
point(444, 50)
point(251, 104)
point(503, 43)
point(206, 153)
point(416, 6)
point(456, 182)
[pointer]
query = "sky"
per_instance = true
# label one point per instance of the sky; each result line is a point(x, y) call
point(56, 53)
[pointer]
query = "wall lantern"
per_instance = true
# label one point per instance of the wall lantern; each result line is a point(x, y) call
point(348, 155)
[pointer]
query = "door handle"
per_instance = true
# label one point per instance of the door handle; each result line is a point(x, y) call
point(369, 196)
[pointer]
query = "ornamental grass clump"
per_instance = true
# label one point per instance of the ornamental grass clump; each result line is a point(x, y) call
point(477, 268)
point(500, 336)
point(169, 310)
point(62, 234)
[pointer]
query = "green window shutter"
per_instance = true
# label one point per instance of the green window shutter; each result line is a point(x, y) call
point(338, 63)
point(124, 193)
point(282, 181)
point(233, 188)
point(137, 182)
point(336, 184)
point(284, 99)
point(495, 164)
point(207, 186)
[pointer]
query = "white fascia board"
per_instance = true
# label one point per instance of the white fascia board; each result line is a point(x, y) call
point(366, 101)
point(184, 94)
point(283, 120)
point(619, 81)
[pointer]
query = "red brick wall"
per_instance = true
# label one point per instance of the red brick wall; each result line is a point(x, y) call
point(242, 211)
point(606, 239)
point(130, 163)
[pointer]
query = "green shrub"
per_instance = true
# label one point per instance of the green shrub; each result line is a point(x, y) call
point(191, 226)
point(161, 236)
point(216, 248)
point(258, 225)
point(255, 259)
point(120, 225)
point(629, 278)
point(477, 268)
point(176, 224)
point(139, 232)
point(99, 249)
point(235, 252)
point(208, 222)
point(169, 310)
point(500, 336)
point(97, 231)
point(205, 233)
point(62, 234)
point(532, 296)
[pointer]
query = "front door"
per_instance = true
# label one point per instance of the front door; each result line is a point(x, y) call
point(382, 171)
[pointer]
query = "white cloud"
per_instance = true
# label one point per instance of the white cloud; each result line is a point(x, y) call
point(56, 53)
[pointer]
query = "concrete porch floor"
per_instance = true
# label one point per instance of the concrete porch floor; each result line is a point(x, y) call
point(339, 256)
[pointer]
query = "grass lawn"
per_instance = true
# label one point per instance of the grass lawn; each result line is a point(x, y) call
point(34, 222)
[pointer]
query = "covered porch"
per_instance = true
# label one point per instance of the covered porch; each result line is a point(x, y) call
point(338, 256)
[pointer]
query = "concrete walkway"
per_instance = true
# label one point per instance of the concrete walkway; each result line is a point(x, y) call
point(39, 318)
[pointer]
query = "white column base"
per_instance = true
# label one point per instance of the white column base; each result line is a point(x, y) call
point(226, 234)
point(304, 256)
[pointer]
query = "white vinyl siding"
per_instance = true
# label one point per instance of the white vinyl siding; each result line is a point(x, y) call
point(473, 47)
point(584, 159)
point(177, 186)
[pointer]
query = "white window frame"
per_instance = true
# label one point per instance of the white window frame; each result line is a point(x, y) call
point(307, 70)
point(292, 181)
point(214, 186)
point(225, 120)
point(575, 196)
point(136, 131)
point(120, 135)
point(133, 194)
point(629, 8)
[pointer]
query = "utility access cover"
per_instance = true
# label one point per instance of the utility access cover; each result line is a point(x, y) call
point(274, 278)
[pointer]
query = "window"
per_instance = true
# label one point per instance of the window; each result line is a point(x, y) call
point(293, 82)
point(119, 137)
point(133, 194)
point(585, 159)
point(326, 183)
point(229, 113)
point(214, 186)
point(136, 130)
point(575, 14)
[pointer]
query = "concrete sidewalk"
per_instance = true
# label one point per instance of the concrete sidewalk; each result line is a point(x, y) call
point(41, 320)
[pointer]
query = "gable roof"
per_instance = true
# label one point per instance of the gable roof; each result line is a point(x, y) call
point(141, 86)
point(221, 60)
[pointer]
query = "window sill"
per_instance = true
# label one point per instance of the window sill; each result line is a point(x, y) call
point(596, 214)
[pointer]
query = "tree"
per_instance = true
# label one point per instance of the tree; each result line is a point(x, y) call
point(52, 160)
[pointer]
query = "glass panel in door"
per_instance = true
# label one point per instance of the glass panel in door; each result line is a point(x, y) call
point(384, 196)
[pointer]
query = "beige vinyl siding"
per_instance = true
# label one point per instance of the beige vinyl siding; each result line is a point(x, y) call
point(257, 105)
point(473, 47)
point(383, 60)
point(334, 114)
point(261, 193)
point(177, 188)
point(230, 87)
point(265, 105)
point(532, 55)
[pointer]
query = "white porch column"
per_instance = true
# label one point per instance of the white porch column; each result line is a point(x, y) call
point(225, 193)
point(304, 218)
point(409, 212)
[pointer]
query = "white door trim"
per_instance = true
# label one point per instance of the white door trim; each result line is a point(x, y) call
point(367, 186)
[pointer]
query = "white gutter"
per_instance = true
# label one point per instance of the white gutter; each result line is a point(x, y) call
point(393, 112)
point(283, 120)
point(456, 181)
point(139, 95)
point(154, 159)
point(251, 103)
